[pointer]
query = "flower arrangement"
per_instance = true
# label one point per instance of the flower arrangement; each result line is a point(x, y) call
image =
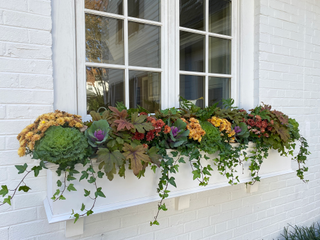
point(121, 138)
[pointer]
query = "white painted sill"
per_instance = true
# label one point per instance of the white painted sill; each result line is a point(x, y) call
point(131, 191)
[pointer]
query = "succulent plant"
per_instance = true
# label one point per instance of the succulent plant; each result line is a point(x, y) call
point(98, 132)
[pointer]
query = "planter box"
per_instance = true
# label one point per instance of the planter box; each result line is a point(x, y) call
point(131, 191)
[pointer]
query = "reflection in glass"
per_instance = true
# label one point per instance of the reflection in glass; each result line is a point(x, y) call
point(104, 87)
point(192, 14)
point(219, 88)
point(146, 9)
point(219, 55)
point(191, 52)
point(220, 17)
point(145, 90)
point(144, 45)
point(114, 6)
point(192, 88)
point(104, 40)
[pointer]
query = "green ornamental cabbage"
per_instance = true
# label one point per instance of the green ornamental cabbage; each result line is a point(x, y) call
point(61, 146)
point(97, 133)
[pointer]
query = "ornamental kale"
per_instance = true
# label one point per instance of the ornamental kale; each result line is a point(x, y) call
point(97, 133)
point(177, 136)
point(61, 146)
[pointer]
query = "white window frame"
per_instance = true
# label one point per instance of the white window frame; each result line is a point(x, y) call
point(68, 57)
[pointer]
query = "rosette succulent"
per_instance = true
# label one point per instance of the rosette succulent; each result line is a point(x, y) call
point(98, 132)
point(61, 146)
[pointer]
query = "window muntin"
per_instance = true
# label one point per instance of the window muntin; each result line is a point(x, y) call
point(205, 50)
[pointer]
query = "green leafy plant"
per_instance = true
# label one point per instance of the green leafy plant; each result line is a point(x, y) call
point(121, 139)
point(302, 233)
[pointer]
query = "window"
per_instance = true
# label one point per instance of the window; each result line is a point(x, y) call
point(79, 75)
point(125, 52)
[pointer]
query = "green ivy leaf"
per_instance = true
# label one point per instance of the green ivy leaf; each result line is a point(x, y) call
point(7, 200)
point(62, 197)
point(21, 168)
point(181, 160)
point(24, 188)
point(71, 188)
point(100, 174)
point(172, 181)
point(99, 193)
point(36, 170)
point(89, 212)
point(86, 193)
point(4, 190)
point(91, 180)
point(76, 217)
point(84, 175)
point(59, 183)
point(70, 178)
point(82, 207)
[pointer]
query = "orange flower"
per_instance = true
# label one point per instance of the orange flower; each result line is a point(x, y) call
point(167, 129)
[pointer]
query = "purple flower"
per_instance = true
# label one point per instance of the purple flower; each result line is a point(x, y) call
point(174, 131)
point(99, 135)
point(237, 129)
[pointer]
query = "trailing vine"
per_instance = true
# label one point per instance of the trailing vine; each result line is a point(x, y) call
point(120, 138)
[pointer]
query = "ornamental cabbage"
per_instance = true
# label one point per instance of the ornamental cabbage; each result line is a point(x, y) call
point(97, 133)
point(61, 146)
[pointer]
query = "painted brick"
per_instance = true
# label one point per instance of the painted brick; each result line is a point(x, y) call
point(26, 20)
point(18, 50)
point(18, 5)
point(12, 127)
point(17, 217)
point(9, 80)
point(31, 229)
point(26, 66)
point(13, 34)
point(40, 37)
point(27, 111)
point(40, 7)
point(26, 96)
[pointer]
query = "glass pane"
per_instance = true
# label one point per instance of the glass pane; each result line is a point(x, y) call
point(146, 9)
point(192, 88)
point(192, 14)
point(220, 17)
point(219, 88)
point(191, 52)
point(104, 40)
point(114, 6)
point(219, 55)
point(104, 87)
point(144, 45)
point(145, 90)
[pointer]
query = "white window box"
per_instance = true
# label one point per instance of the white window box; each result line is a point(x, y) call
point(131, 191)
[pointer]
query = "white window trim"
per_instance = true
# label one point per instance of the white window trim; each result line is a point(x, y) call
point(68, 25)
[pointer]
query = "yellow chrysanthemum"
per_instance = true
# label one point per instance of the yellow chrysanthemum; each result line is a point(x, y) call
point(35, 137)
point(29, 135)
point(60, 120)
point(78, 125)
point(21, 151)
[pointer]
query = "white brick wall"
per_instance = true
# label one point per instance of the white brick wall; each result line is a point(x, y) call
point(287, 76)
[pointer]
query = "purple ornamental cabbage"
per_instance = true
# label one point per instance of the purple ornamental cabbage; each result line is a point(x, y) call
point(97, 133)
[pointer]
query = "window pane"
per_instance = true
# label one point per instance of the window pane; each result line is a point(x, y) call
point(219, 55)
point(192, 14)
point(220, 17)
point(191, 52)
point(104, 40)
point(114, 6)
point(144, 45)
point(219, 88)
point(146, 9)
point(104, 87)
point(145, 90)
point(192, 88)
